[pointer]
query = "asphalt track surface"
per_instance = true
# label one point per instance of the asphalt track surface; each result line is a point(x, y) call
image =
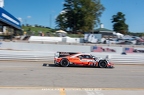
point(32, 78)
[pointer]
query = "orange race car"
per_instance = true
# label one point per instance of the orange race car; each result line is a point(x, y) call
point(65, 59)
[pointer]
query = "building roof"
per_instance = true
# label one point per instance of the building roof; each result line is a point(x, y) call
point(9, 19)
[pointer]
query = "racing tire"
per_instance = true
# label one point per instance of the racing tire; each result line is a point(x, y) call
point(102, 64)
point(64, 63)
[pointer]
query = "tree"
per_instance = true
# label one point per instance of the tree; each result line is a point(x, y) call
point(61, 21)
point(80, 15)
point(119, 24)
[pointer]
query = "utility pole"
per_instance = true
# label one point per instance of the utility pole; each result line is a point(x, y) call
point(50, 20)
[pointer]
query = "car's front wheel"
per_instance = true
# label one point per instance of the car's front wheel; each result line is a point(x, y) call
point(102, 63)
point(64, 63)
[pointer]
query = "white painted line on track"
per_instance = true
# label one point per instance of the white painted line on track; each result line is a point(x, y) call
point(96, 92)
point(58, 88)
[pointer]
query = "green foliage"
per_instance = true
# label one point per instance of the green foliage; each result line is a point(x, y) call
point(60, 21)
point(76, 35)
point(140, 34)
point(29, 29)
point(119, 24)
point(80, 15)
point(35, 30)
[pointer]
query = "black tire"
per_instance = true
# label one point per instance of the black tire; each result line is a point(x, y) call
point(64, 63)
point(102, 64)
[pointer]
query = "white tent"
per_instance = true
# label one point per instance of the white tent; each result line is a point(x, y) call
point(119, 35)
point(61, 31)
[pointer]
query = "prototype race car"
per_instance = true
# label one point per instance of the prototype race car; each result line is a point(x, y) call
point(65, 59)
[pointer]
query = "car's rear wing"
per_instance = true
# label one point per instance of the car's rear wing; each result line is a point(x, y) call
point(64, 54)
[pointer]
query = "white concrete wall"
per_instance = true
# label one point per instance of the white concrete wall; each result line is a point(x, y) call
point(73, 40)
point(117, 49)
point(36, 50)
point(57, 47)
point(55, 39)
point(45, 39)
point(44, 47)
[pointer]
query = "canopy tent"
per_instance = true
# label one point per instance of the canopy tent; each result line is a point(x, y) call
point(119, 35)
point(61, 31)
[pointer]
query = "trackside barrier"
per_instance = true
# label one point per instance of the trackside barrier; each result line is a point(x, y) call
point(127, 59)
point(43, 47)
point(55, 39)
point(122, 59)
point(26, 58)
point(67, 47)
point(25, 55)
point(48, 56)
point(38, 52)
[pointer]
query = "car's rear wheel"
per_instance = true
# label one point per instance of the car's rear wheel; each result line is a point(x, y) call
point(102, 63)
point(64, 63)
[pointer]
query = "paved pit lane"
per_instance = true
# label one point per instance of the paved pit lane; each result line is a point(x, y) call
point(31, 77)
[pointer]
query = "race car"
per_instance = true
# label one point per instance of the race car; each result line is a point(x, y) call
point(65, 59)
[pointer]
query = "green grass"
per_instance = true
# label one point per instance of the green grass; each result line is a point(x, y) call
point(35, 31)
point(76, 35)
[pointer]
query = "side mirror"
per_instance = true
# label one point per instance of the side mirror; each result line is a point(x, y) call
point(94, 58)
